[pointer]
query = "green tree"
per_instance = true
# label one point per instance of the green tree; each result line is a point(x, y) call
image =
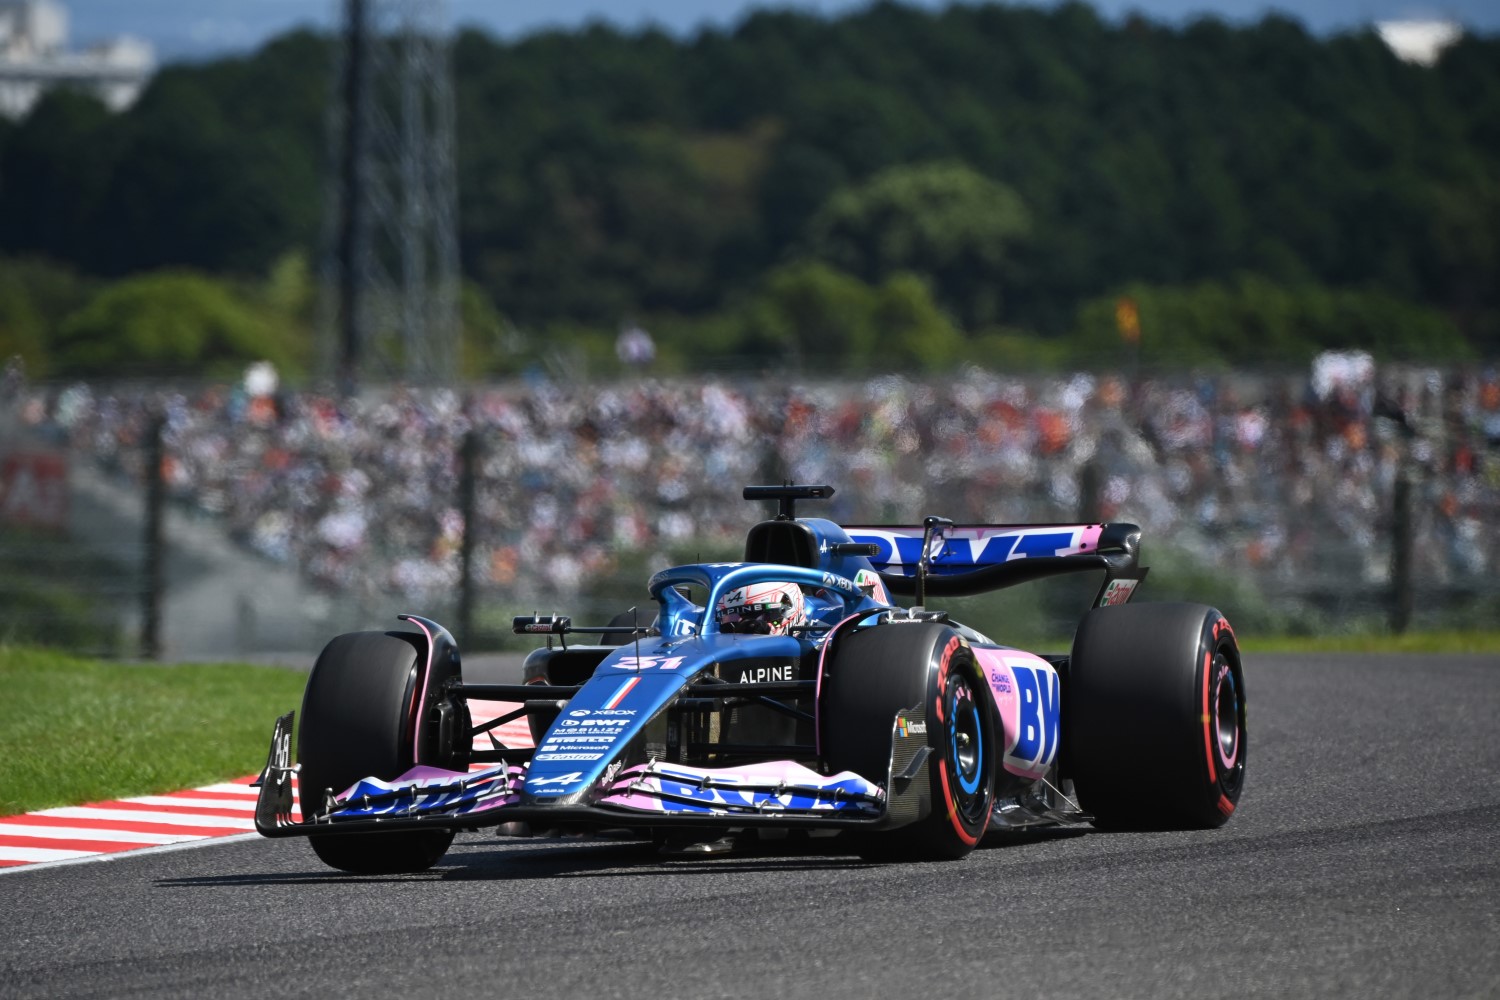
point(35, 296)
point(167, 323)
point(606, 173)
point(54, 178)
point(1250, 320)
point(911, 331)
point(192, 189)
point(811, 315)
point(491, 345)
point(942, 220)
point(287, 299)
point(22, 332)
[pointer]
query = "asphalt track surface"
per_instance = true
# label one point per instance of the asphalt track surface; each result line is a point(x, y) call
point(1364, 861)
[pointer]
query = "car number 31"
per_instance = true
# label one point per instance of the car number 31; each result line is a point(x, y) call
point(647, 663)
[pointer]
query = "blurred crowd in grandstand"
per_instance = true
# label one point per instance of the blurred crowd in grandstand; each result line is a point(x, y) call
point(1291, 475)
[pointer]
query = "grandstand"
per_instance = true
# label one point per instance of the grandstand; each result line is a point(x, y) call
point(1283, 480)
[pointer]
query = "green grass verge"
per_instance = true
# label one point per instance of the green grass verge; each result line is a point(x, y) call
point(1410, 642)
point(74, 730)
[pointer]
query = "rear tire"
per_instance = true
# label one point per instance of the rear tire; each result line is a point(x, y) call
point(1154, 717)
point(357, 722)
point(879, 671)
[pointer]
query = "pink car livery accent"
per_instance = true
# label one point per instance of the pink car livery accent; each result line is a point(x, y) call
point(424, 789)
point(1026, 691)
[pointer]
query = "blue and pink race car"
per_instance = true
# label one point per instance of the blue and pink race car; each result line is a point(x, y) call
point(790, 691)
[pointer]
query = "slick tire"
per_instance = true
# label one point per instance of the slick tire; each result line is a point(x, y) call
point(1154, 717)
point(357, 722)
point(926, 670)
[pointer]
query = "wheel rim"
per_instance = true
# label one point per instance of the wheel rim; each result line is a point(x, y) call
point(966, 751)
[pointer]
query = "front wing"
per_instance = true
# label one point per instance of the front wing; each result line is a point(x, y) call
point(769, 794)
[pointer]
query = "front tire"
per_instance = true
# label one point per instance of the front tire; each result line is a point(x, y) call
point(356, 722)
point(1154, 717)
point(924, 671)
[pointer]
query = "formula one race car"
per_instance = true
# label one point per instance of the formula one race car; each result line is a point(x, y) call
point(788, 691)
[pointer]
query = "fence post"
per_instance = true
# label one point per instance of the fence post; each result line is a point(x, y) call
point(155, 502)
point(1401, 553)
point(467, 476)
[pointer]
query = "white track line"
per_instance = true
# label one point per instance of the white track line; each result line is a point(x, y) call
point(242, 791)
point(35, 854)
point(204, 802)
point(112, 855)
point(92, 833)
point(143, 816)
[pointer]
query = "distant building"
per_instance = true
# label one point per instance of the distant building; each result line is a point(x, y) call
point(1420, 42)
point(34, 59)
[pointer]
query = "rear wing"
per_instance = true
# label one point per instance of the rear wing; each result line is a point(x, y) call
point(970, 559)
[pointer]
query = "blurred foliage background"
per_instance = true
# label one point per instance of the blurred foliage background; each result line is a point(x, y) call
point(892, 189)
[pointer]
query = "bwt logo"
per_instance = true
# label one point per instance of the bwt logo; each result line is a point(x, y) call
point(906, 550)
point(1034, 743)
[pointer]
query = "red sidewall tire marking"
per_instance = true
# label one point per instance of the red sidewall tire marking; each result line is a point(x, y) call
point(949, 799)
point(1206, 672)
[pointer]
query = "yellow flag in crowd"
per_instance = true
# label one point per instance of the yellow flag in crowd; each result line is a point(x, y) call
point(1128, 320)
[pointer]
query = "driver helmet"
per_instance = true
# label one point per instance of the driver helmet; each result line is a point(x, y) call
point(762, 609)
